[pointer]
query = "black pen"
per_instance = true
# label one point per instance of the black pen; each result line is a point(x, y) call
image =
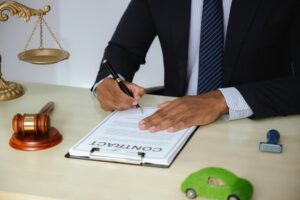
point(119, 81)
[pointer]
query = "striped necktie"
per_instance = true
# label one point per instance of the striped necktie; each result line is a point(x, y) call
point(211, 46)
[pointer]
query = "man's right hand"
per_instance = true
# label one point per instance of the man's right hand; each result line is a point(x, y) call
point(111, 97)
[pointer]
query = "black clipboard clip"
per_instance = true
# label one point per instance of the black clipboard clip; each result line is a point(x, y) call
point(111, 156)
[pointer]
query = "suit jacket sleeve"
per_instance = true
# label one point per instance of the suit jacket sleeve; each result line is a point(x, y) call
point(278, 96)
point(130, 42)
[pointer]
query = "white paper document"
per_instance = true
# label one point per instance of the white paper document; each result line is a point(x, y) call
point(118, 139)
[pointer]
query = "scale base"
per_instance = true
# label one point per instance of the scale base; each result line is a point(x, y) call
point(10, 90)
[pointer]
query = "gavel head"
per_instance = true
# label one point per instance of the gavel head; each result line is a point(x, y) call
point(31, 124)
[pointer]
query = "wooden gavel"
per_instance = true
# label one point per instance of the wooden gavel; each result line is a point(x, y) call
point(33, 123)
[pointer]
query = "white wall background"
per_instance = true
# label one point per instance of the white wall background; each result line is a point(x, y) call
point(83, 28)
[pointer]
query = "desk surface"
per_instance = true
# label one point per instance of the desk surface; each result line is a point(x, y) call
point(233, 145)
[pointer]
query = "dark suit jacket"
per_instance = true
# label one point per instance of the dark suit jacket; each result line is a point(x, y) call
point(261, 56)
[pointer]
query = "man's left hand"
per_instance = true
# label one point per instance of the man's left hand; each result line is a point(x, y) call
point(186, 112)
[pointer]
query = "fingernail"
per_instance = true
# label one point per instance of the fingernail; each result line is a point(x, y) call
point(152, 129)
point(142, 125)
point(171, 129)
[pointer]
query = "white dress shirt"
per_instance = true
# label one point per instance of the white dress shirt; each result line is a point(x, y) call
point(238, 107)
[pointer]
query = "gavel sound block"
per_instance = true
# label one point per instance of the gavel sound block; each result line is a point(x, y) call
point(33, 131)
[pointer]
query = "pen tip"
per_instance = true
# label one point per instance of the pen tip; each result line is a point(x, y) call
point(139, 107)
point(104, 61)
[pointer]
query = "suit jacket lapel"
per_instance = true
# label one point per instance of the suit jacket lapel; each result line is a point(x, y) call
point(241, 15)
point(180, 31)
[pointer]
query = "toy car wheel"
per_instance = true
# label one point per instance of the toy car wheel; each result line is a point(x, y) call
point(190, 193)
point(233, 197)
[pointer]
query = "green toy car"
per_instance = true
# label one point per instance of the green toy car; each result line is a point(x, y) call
point(218, 184)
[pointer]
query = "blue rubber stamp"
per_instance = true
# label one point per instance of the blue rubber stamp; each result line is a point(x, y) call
point(272, 142)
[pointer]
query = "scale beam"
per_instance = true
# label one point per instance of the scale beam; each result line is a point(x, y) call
point(20, 10)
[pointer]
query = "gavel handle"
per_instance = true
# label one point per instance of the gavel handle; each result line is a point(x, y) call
point(47, 109)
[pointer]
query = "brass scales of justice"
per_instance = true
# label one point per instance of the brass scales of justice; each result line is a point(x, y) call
point(41, 56)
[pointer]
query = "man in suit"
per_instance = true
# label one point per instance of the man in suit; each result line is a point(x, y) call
point(260, 65)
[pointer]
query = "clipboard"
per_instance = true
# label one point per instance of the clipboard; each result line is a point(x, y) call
point(112, 141)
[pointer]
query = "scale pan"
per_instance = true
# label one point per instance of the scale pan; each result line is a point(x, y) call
point(43, 56)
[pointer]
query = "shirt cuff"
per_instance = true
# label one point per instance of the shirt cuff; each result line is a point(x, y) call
point(94, 90)
point(238, 107)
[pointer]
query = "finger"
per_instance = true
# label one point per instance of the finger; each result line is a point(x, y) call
point(174, 123)
point(161, 119)
point(123, 101)
point(164, 104)
point(105, 107)
point(136, 90)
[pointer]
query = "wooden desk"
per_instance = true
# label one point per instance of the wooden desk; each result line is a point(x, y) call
point(232, 145)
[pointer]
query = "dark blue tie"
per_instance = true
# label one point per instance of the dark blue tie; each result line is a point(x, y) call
point(211, 46)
